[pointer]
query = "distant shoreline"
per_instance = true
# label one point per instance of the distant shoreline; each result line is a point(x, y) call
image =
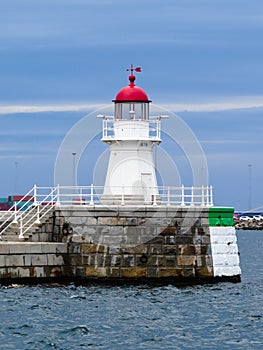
point(249, 226)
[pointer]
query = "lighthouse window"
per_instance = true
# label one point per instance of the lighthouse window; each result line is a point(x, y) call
point(144, 144)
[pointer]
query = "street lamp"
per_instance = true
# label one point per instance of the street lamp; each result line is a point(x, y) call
point(74, 170)
point(16, 175)
point(249, 186)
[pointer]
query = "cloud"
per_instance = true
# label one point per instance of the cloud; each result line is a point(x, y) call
point(237, 142)
point(216, 106)
point(20, 147)
point(13, 109)
point(235, 104)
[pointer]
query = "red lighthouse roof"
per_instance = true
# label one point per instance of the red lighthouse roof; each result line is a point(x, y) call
point(131, 93)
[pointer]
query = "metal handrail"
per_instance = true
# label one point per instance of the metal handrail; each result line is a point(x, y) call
point(30, 193)
point(18, 213)
point(167, 195)
point(29, 213)
point(35, 218)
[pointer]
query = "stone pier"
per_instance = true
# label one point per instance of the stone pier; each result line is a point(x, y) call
point(151, 243)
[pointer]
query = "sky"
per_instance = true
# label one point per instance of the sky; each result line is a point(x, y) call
point(62, 60)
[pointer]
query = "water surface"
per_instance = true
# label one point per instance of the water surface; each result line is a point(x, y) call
point(220, 316)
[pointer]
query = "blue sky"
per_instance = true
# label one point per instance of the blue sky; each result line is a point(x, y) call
point(61, 59)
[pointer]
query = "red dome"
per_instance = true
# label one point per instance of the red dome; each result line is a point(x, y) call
point(131, 93)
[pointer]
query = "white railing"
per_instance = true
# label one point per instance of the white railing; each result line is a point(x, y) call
point(39, 201)
point(29, 210)
point(93, 195)
point(154, 130)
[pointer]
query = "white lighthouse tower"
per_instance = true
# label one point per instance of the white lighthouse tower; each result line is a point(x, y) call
point(131, 135)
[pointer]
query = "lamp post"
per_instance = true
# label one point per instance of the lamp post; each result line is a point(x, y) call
point(16, 176)
point(74, 171)
point(249, 186)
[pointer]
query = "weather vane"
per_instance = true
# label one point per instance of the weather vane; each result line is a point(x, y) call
point(137, 69)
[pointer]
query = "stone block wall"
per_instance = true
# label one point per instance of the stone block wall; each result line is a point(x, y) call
point(23, 260)
point(147, 243)
point(224, 251)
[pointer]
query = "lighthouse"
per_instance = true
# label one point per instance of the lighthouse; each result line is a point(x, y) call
point(131, 134)
point(126, 229)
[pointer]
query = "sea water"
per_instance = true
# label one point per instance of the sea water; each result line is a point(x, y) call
point(212, 316)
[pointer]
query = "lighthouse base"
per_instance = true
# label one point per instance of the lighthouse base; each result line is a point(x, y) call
point(153, 243)
point(120, 244)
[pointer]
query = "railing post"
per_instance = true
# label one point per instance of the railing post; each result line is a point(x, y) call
point(21, 235)
point(122, 196)
point(58, 196)
point(52, 196)
point(154, 199)
point(15, 218)
point(81, 195)
point(207, 197)
point(91, 195)
point(168, 196)
point(158, 128)
point(211, 196)
point(37, 221)
point(192, 196)
point(182, 195)
point(35, 195)
point(104, 128)
point(202, 196)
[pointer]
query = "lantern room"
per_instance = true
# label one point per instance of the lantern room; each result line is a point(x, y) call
point(131, 119)
point(132, 102)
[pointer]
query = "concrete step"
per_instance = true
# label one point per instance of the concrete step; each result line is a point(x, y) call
point(12, 232)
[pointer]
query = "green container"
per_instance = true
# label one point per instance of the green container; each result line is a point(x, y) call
point(24, 204)
point(221, 216)
point(3, 200)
